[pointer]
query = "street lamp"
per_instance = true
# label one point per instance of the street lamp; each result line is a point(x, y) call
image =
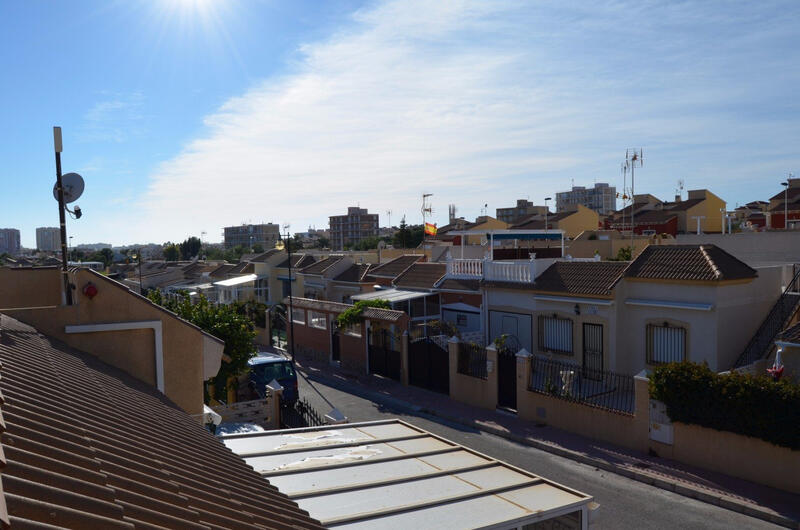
point(785, 205)
point(138, 255)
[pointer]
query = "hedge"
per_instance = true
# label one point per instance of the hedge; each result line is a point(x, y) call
point(735, 402)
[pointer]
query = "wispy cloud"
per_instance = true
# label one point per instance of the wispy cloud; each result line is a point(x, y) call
point(486, 102)
point(114, 118)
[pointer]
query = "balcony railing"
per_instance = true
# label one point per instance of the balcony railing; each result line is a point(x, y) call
point(520, 271)
point(517, 271)
point(465, 268)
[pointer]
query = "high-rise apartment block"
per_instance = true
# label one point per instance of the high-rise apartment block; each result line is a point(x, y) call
point(352, 228)
point(248, 236)
point(519, 212)
point(9, 241)
point(602, 198)
point(48, 239)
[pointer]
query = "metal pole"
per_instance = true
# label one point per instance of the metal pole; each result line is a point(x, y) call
point(786, 207)
point(139, 253)
point(61, 215)
point(633, 207)
point(291, 316)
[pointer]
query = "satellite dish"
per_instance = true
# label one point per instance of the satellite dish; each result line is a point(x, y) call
point(73, 187)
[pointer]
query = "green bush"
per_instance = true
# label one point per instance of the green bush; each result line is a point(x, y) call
point(735, 402)
point(353, 315)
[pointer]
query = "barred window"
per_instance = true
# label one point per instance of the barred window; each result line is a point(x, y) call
point(298, 316)
point(317, 320)
point(555, 334)
point(665, 343)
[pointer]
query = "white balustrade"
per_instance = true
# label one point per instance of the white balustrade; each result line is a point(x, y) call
point(465, 268)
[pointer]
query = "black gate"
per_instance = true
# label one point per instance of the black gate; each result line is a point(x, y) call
point(384, 354)
point(592, 350)
point(335, 347)
point(507, 372)
point(277, 331)
point(429, 365)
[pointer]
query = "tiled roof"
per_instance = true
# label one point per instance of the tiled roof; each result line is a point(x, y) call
point(243, 267)
point(298, 261)
point(456, 284)
point(654, 216)
point(322, 265)
point(688, 262)
point(337, 307)
point(264, 256)
point(421, 276)
point(536, 221)
point(792, 206)
point(580, 277)
point(793, 194)
point(638, 207)
point(682, 206)
point(354, 274)
point(222, 270)
point(88, 446)
point(392, 269)
point(791, 334)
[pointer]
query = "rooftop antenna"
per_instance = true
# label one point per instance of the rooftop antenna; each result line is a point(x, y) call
point(633, 159)
point(451, 213)
point(624, 170)
point(679, 191)
point(389, 218)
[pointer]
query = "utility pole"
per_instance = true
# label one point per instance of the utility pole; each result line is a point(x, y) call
point(62, 215)
point(291, 317)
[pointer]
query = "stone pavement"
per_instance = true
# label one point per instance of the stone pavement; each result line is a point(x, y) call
point(765, 503)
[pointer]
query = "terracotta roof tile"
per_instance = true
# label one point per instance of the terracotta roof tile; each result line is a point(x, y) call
point(456, 284)
point(392, 269)
point(298, 261)
point(688, 262)
point(356, 273)
point(222, 270)
point(421, 276)
point(322, 265)
point(580, 277)
point(264, 256)
point(88, 446)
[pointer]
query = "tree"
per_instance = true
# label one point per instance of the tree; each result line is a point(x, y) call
point(258, 248)
point(105, 256)
point(213, 253)
point(190, 248)
point(323, 242)
point(402, 235)
point(226, 322)
point(171, 251)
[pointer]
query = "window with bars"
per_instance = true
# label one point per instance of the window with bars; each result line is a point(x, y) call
point(555, 334)
point(317, 320)
point(298, 316)
point(665, 343)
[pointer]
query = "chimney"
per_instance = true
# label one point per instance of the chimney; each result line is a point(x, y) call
point(677, 198)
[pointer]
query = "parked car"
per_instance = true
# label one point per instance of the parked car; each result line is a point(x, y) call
point(265, 367)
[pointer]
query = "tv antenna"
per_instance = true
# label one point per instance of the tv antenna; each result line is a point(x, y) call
point(426, 209)
point(679, 190)
point(633, 159)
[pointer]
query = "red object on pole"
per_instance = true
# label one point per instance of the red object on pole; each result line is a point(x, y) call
point(89, 290)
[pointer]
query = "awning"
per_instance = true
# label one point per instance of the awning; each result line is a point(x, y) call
point(239, 280)
point(390, 295)
point(390, 474)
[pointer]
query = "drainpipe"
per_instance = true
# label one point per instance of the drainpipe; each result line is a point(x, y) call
point(155, 325)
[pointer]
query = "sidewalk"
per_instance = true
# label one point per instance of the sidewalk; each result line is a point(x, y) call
point(715, 488)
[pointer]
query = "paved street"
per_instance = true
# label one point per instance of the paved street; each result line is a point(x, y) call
point(625, 503)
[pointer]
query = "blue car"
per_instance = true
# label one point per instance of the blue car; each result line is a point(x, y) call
point(265, 367)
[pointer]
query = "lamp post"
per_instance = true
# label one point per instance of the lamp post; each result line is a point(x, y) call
point(291, 316)
point(61, 215)
point(545, 212)
point(70, 249)
point(785, 205)
point(722, 222)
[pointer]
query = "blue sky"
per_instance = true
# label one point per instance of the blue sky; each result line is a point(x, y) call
point(185, 116)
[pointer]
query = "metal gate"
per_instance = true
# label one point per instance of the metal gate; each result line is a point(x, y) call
point(335, 346)
point(593, 351)
point(384, 354)
point(507, 372)
point(428, 365)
